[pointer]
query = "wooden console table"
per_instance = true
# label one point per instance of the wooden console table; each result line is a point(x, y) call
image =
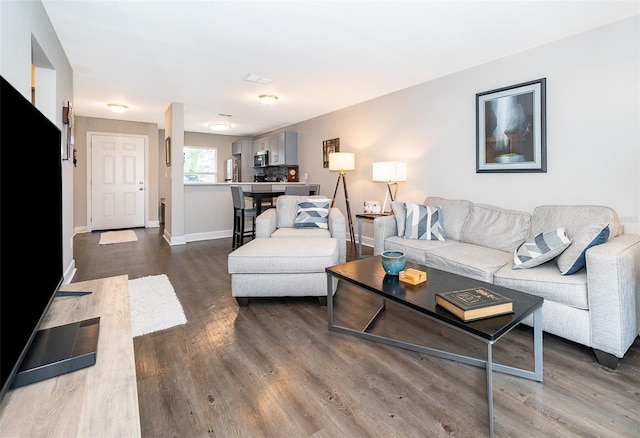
point(98, 401)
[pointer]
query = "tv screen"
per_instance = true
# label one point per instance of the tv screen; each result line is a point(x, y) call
point(31, 262)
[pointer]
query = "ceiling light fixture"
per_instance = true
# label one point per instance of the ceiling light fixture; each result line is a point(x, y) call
point(117, 108)
point(219, 126)
point(268, 99)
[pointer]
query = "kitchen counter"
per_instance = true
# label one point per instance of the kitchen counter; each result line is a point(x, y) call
point(208, 208)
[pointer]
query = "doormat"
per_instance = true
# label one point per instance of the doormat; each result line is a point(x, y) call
point(154, 305)
point(118, 237)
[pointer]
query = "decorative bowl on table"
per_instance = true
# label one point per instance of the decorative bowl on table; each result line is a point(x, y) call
point(393, 261)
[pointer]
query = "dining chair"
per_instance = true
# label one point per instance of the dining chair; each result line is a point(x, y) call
point(240, 214)
point(266, 202)
point(301, 190)
point(314, 189)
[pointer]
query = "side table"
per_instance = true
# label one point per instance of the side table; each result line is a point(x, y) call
point(370, 217)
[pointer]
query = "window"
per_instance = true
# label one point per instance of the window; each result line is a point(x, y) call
point(200, 165)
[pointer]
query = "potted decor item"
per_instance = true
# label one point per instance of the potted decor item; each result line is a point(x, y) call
point(393, 261)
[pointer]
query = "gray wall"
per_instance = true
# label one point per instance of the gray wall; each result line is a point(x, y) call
point(24, 25)
point(593, 124)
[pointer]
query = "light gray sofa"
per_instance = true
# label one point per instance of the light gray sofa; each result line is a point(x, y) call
point(279, 222)
point(598, 306)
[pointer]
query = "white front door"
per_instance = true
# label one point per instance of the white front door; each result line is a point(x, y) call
point(117, 181)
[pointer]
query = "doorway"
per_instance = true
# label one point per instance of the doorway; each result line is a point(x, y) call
point(117, 181)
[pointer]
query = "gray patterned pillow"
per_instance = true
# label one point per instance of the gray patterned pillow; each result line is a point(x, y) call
point(400, 213)
point(540, 248)
point(313, 213)
point(574, 258)
point(423, 223)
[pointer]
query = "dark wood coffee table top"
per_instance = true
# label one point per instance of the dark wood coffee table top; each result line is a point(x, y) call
point(368, 274)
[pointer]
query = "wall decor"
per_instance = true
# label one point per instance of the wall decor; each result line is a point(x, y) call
point(67, 119)
point(167, 151)
point(511, 129)
point(373, 207)
point(328, 147)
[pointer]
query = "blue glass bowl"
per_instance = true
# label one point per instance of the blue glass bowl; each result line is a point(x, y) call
point(393, 262)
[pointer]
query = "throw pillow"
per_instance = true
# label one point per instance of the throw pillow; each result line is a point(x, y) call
point(313, 213)
point(574, 258)
point(423, 222)
point(400, 213)
point(540, 248)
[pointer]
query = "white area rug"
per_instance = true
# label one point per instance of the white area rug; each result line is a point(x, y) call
point(118, 237)
point(154, 305)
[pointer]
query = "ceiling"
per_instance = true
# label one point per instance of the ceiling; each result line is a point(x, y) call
point(320, 55)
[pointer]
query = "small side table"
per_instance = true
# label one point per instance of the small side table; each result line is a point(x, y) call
point(370, 217)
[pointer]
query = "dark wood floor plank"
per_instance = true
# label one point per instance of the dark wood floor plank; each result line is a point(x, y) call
point(273, 369)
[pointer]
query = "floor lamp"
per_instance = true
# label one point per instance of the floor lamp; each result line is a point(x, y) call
point(390, 172)
point(342, 162)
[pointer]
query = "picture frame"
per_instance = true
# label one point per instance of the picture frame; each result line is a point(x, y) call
point(67, 119)
point(511, 129)
point(167, 151)
point(328, 147)
point(372, 207)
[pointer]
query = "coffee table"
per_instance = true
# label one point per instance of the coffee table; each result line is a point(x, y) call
point(368, 274)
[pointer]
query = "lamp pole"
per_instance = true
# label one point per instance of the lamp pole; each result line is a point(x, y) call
point(342, 176)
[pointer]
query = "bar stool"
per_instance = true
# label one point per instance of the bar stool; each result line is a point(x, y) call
point(240, 214)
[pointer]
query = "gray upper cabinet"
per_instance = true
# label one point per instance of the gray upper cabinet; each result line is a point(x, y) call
point(260, 144)
point(244, 148)
point(283, 149)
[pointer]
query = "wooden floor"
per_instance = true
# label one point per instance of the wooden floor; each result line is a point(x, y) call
point(272, 369)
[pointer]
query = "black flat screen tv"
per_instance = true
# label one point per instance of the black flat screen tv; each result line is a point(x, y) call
point(31, 259)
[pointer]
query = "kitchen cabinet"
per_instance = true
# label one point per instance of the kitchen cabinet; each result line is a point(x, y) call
point(260, 144)
point(244, 149)
point(240, 147)
point(283, 149)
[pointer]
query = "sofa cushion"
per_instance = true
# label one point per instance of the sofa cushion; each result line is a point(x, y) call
point(415, 249)
point(546, 282)
point(540, 248)
point(454, 214)
point(300, 232)
point(573, 258)
point(469, 260)
point(572, 218)
point(496, 228)
point(313, 213)
point(423, 223)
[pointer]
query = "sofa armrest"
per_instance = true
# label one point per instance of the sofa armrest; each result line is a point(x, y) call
point(613, 273)
point(266, 223)
point(338, 230)
point(383, 227)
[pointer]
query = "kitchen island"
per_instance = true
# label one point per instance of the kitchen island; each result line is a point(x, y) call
point(208, 208)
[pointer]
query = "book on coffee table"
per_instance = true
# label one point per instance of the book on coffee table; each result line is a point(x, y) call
point(475, 303)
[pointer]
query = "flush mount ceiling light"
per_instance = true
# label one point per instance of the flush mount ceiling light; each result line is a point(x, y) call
point(219, 126)
point(117, 108)
point(268, 99)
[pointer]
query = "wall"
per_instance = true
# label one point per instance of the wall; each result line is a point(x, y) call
point(593, 133)
point(84, 125)
point(25, 26)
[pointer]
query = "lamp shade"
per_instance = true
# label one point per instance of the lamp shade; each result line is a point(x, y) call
point(342, 161)
point(387, 171)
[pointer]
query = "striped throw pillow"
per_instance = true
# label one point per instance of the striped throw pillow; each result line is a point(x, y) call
point(313, 213)
point(423, 222)
point(540, 248)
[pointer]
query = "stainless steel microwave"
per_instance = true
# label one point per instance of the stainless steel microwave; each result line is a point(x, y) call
point(261, 159)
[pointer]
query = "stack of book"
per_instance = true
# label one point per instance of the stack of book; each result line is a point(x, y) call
point(473, 304)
